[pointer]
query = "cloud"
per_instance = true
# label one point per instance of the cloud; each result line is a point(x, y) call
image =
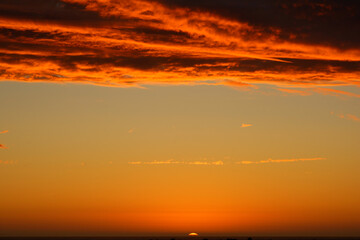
point(294, 91)
point(172, 161)
point(244, 125)
point(135, 163)
point(347, 117)
point(137, 42)
point(220, 163)
point(335, 92)
point(352, 117)
point(238, 84)
point(306, 91)
point(2, 146)
point(206, 163)
point(281, 160)
point(8, 162)
point(131, 130)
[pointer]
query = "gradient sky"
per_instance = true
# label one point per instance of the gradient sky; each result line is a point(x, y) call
point(168, 117)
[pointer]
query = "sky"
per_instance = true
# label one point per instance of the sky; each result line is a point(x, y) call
point(162, 117)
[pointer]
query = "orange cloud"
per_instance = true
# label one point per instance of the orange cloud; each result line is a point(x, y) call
point(172, 161)
point(1, 145)
point(135, 163)
point(324, 91)
point(238, 84)
point(353, 117)
point(8, 162)
point(206, 163)
point(334, 92)
point(282, 160)
point(347, 117)
point(294, 91)
point(137, 42)
point(244, 125)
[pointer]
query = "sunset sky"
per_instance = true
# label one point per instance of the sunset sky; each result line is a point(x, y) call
point(165, 117)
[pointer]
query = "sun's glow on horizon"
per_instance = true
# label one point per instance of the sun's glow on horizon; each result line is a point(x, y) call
point(193, 234)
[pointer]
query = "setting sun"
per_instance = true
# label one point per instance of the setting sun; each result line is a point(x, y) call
point(193, 234)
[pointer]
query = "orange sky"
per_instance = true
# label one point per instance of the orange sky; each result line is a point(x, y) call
point(169, 117)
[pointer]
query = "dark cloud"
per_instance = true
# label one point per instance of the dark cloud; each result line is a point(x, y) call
point(237, 42)
point(323, 22)
point(48, 10)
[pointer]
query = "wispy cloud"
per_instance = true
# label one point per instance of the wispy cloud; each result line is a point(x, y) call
point(295, 91)
point(282, 160)
point(335, 92)
point(308, 90)
point(352, 117)
point(237, 85)
point(137, 42)
point(219, 163)
point(2, 146)
point(175, 162)
point(347, 116)
point(8, 162)
point(244, 125)
point(135, 163)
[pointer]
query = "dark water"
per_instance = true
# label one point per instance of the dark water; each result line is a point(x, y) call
point(180, 238)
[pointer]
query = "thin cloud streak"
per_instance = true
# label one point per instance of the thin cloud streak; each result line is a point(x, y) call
point(1, 145)
point(347, 116)
point(353, 117)
point(175, 162)
point(118, 44)
point(335, 92)
point(281, 160)
point(8, 162)
point(244, 125)
point(307, 91)
point(221, 163)
point(295, 91)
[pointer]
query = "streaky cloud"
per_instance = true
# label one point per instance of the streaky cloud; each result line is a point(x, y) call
point(348, 116)
point(175, 162)
point(335, 92)
point(139, 42)
point(295, 91)
point(2, 146)
point(281, 160)
point(8, 162)
point(353, 117)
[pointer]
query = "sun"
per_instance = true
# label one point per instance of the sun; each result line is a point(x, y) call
point(193, 234)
